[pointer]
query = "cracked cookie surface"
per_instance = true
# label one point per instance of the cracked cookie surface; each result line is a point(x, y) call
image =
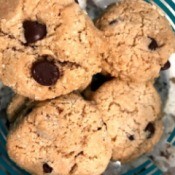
point(140, 39)
point(44, 45)
point(132, 113)
point(66, 135)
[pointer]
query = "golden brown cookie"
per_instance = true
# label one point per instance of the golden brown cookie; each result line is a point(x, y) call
point(132, 113)
point(50, 48)
point(62, 136)
point(140, 39)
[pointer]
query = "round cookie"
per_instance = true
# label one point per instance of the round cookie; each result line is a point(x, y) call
point(45, 45)
point(140, 40)
point(66, 135)
point(132, 116)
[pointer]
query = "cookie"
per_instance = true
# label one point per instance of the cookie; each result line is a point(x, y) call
point(66, 135)
point(140, 39)
point(45, 45)
point(132, 113)
point(17, 104)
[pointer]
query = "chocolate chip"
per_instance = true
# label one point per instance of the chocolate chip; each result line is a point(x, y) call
point(153, 45)
point(166, 66)
point(77, 1)
point(113, 22)
point(131, 137)
point(99, 128)
point(98, 80)
point(34, 31)
point(47, 168)
point(150, 129)
point(45, 72)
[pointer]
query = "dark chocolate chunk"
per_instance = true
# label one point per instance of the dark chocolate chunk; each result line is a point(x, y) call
point(98, 80)
point(153, 45)
point(47, 168)
point(131, 137)
point(45, 72)
point(34, 31)
point(150, 129)
point(166, 66)
point(99, 128)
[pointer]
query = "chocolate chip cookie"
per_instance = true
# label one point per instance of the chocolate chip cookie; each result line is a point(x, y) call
point(140, 40)
point(50, 48)
point(62, 136)
point(132, 113)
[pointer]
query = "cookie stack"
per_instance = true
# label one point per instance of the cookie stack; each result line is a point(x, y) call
point(64, 122)
point(140, 41)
